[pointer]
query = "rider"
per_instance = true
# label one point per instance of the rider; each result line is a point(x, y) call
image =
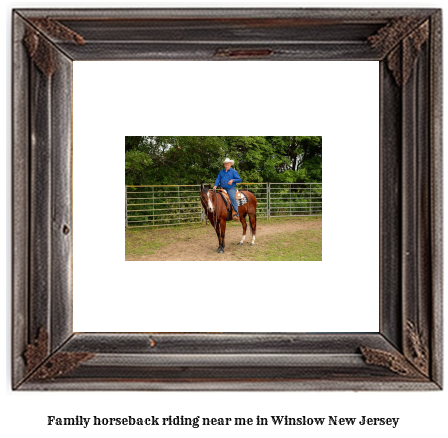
point(228, 178)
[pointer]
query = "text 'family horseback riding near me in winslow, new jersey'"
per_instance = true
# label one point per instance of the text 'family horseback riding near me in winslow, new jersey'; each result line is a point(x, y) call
point(195, 422)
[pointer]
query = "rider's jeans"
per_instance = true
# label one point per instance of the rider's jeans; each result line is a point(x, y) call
point(232, 196)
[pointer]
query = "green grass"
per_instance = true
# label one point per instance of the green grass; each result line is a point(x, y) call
point(304, 245)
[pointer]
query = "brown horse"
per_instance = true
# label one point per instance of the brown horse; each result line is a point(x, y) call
point(217, 214)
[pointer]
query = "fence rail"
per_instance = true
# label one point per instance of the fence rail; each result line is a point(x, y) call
point(165, 205)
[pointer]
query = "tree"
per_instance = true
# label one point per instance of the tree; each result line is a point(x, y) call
point(197, 159)
point(131, 143)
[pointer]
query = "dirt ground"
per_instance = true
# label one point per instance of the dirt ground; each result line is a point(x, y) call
point(204, 245)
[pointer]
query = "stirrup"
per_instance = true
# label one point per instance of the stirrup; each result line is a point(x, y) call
point(235, 217)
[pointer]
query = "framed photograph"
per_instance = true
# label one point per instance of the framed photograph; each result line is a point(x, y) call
point(406, 352)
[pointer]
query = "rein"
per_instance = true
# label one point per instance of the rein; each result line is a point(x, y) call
point(216, 211)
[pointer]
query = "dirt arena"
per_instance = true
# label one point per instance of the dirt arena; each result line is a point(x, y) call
point(199, 243)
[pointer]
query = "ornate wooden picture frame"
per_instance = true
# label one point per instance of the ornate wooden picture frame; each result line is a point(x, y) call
point(406, 353)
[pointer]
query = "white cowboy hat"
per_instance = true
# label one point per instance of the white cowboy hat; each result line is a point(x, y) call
point(228, 160)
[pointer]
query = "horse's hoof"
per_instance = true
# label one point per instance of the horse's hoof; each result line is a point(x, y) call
point(240, 243)
point(252, 244)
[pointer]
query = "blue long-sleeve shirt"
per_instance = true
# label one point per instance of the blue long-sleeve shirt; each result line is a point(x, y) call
point(225, 176)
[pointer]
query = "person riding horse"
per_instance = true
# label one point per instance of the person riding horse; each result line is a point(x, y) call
point(228, 178)
point(216, 210)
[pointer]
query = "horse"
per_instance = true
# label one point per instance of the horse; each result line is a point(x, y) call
point(217, 214)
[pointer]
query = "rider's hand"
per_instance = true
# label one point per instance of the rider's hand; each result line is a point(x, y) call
point(231, 182)
point(214, 188)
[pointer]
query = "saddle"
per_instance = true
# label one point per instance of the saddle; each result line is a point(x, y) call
point(240, 199)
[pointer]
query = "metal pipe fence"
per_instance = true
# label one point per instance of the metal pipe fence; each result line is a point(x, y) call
point(149, 206)
point(295, 199)
point(165, 205)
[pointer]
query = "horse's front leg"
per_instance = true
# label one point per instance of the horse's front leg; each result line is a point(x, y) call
point(244, 224)
point(222, 236)
point(218, 233)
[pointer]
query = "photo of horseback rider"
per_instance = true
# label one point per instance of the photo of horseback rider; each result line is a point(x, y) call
point(228, 178)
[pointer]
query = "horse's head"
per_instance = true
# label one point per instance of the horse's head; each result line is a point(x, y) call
point(208, 199)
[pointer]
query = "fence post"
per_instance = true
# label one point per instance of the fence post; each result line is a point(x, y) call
point(126, 205)
point(178, 203)
point(153, 208)
point(268, 200)
point(310, 201)
point(290, 199)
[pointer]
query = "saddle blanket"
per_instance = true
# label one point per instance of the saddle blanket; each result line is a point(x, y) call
point(241, 198)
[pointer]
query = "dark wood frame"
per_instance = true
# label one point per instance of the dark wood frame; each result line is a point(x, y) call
point(406, 354)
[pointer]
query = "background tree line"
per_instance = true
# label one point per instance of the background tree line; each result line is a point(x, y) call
point(196, 159)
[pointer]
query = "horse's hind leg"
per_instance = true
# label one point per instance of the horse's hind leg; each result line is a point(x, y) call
point(253, 227)
point(244, 224)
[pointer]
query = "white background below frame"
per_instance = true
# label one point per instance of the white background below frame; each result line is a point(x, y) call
point(338, 100)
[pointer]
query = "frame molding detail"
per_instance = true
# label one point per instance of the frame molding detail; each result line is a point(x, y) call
point(406, 353)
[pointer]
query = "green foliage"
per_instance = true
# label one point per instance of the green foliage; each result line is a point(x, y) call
point(137, 164)
point(133, 143)
point(197, 159)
